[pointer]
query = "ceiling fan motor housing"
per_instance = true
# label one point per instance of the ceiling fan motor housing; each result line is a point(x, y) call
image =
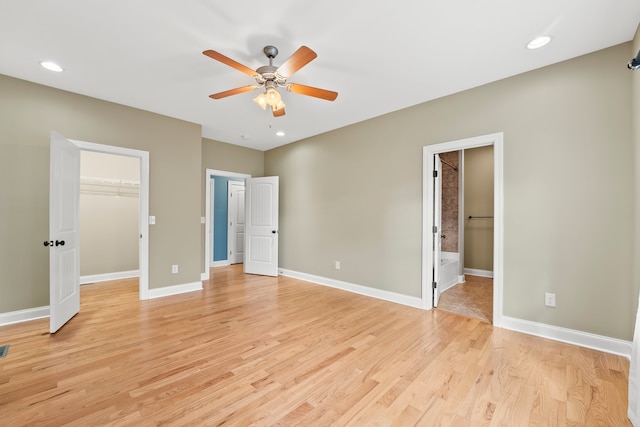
point(270, 51)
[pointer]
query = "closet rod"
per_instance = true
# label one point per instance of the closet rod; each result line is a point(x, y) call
point(480, 217)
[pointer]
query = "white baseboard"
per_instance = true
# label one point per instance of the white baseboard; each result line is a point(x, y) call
point(23, 315)
point(357, 289)
point(569, 336)
point(95, 278)
point(223, 263)
point(204, 276)
point(476, 272)
point(174, 290)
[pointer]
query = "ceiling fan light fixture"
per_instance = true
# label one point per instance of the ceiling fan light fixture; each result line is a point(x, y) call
point(261, 100)
point(273, 97)
point(271, 77)
point(279, 106)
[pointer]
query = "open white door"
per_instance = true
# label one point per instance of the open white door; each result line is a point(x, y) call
point(235, 239)
point(64, 256)
point(261, 226)
point(437, 226)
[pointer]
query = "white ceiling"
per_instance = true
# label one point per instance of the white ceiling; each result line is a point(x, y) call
point(380, 56)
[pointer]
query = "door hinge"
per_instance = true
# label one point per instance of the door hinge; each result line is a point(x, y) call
point(434, 285)
point(435, 229)
point(435, 174)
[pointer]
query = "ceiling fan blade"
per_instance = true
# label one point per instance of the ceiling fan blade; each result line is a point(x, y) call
point(230, 62)
point(235, 91)
point(278, 113)
point(299, 59)
point(312, 91)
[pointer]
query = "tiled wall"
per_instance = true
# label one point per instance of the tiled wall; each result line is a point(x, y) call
point(450, 201)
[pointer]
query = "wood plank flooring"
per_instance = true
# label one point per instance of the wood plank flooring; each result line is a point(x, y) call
point(252, 350)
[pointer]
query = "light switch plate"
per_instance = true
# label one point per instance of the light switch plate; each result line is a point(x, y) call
point(152, 220)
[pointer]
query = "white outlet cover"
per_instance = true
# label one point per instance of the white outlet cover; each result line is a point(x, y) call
point(549, 299)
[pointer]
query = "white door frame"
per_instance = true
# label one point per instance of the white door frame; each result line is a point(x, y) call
point(495, 139)
point(208, 229)
point(143, 247)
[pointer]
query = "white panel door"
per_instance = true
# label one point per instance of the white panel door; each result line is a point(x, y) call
point(437, 222)
point(235, 194)
point(261, 226)
point(64, 255)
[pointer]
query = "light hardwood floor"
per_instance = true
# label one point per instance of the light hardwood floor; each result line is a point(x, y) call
point(251, 350)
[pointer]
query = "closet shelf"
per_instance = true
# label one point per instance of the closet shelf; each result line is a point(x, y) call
point(109, 186)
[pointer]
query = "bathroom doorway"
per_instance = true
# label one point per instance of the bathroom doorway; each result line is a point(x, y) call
point(466, 221)
point(466, 279)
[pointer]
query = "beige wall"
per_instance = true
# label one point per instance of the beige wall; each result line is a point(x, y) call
point(28, 113)
point(478, 201)
point(231, 158)
point(355, 194)
point(109, 215)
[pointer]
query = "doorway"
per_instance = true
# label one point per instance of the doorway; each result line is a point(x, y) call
point(429, 219)
point(466, 262)
point(143, 207)
point(109, 217)
point(211, 192)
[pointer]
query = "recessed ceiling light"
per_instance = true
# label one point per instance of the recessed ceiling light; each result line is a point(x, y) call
point(280, 133)
point(538, 42)
point(51, 66)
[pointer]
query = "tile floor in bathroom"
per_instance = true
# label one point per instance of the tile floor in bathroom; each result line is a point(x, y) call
point(472, 298)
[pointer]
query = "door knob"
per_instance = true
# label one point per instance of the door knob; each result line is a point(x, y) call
point(274, 231)
point(59, 242)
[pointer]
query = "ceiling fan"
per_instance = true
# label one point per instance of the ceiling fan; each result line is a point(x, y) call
point(270, 78)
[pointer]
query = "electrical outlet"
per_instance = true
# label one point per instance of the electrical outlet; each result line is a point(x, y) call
point(174, 268)
point(549, 299)
point(336, 265)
